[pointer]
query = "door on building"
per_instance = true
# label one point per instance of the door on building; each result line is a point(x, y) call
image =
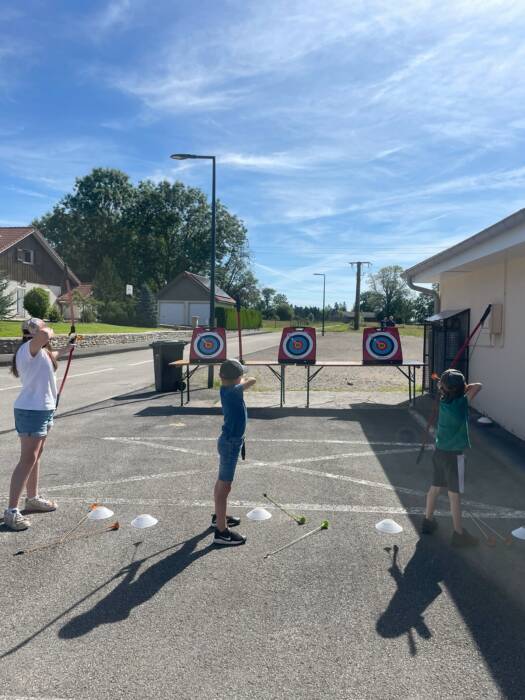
point(20, 294)
point(171, 313)
point(200, 310)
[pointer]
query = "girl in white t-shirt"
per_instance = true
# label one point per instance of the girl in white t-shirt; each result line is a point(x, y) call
point(35, 364)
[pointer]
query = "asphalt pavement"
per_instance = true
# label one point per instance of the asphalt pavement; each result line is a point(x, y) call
point(161, 612)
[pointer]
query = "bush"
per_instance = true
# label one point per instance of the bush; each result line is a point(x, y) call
point(227, 318)
point(88, 315)
point(36, 302)
point(55, 314)
point(119, 313)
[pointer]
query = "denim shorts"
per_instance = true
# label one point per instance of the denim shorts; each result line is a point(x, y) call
point(33, 423)
point(229, 450)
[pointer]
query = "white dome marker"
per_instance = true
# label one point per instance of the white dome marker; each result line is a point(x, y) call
point(259, 514)
point(389, 527)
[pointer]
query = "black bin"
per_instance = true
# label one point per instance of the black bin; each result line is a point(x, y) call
point(165, 351)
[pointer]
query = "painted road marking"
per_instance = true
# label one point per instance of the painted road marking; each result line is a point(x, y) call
point(298, 507)
point(128, 479)
point(289, 465)
point(95, 371)
point(415, 445)
point(135, 364)
point(9, 388)
point(298, 460)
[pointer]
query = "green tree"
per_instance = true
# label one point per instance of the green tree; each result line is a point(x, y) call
point(36, 302)
point(390, 288)
point(93, 220)
point(147, 307)
point(107, 285)
point(422, 307)
point(267, 294)
point(6, 299)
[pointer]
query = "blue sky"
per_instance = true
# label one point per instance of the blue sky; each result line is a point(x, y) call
point(343, 129)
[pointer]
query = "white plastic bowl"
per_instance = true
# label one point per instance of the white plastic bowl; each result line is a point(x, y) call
point(143, 521)
point(519, 533)
point(100, 513)
point(389, 527)
point(259, 514)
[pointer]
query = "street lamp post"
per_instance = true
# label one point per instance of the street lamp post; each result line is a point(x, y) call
point(322, 274)
point(190, 156)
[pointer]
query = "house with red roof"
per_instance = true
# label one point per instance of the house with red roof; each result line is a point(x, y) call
point(188, 297)
point(27, 260)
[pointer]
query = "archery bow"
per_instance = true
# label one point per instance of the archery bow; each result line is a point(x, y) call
point(72, 334)
point(435, 409)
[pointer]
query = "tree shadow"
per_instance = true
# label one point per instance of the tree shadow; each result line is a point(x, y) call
point(132, 592)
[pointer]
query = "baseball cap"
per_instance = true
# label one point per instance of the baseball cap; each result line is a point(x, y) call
point(231, 369)
point(31, 326)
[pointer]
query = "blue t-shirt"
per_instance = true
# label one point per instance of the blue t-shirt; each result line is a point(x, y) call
point(452, 430)
point(234, 410)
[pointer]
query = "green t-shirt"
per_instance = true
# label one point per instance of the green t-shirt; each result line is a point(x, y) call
point(452, 428)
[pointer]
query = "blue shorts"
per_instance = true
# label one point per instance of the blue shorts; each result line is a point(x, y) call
point(33, 423)
point(229, 450)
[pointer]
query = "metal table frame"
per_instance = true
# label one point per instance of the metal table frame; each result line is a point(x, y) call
point(408, 369)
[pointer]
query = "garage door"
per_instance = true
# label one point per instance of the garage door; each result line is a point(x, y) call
point(202, 311)
point(171, 313)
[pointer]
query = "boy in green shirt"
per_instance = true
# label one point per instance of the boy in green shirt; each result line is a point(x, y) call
point(452, 438)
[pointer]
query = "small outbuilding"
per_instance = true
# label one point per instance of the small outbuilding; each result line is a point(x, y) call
point(487, 268)
point(188, 297)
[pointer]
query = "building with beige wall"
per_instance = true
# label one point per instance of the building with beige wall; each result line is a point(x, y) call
point(489, 268)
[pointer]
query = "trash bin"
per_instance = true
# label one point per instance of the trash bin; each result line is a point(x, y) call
point(165, 351)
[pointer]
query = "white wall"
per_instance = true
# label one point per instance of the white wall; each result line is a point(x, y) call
point(54, 293)
point(497, 361)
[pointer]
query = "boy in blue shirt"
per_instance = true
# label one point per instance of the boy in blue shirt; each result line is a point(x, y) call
point(452, 437)
point(229, 445)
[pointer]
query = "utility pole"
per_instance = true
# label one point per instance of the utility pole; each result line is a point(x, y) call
point(358, 264)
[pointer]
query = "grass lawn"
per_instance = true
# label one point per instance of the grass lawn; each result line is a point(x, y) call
point(11, 329)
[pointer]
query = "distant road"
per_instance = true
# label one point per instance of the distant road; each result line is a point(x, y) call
point(93, 379)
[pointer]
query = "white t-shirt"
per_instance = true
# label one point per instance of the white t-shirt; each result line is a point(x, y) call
point(39, 386)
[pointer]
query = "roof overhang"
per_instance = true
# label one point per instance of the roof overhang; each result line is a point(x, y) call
point(487, 247)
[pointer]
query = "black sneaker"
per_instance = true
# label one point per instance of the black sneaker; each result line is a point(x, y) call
point(231, 520)
point(428, 527)
point(464, 540)
point(228, 538)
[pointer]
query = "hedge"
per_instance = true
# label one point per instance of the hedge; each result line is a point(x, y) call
point(227, 318)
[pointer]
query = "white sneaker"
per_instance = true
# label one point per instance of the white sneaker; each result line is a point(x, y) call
point(39, 504)
point(14, 520)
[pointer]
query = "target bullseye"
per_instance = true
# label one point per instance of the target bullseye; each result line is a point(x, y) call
point(297, 346)
point(382, 346)
point(208, 345)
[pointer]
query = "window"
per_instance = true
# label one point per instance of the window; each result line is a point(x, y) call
point(26, 256)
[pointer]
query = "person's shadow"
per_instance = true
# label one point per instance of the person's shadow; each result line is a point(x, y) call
point(417, 588)
point(132, 592)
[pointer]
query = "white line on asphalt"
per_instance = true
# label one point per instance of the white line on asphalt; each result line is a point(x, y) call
point(95, 371)
point(415, 445)
point(376, 484)
point(297, 507)
point(126, 480)
point(8, 388)
point(299, 460)
point(134, 364)
point(170, 448)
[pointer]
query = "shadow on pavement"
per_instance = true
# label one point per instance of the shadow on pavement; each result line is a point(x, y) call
point(485, 584)
point(132, 592)
point(177, 565)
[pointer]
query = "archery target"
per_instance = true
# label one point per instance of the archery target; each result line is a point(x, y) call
point(381, 346)
point(297, 346)
point(208, 345)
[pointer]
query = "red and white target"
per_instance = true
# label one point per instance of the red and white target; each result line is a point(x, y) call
point(208, 345)
point(382, 346)
point(297, 346)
